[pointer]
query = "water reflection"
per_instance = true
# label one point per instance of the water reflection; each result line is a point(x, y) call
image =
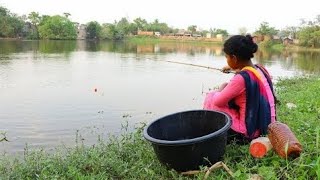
point(57, 47)
point(47, 47)
point(309, 62)
point(151, 48)
point(47, 86)
point(8, 47)
point(306, 62)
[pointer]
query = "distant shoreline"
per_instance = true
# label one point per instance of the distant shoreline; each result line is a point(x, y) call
point(197, 41)
point(300, 48)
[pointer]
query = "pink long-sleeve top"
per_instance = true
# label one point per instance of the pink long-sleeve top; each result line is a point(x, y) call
point(236, 90)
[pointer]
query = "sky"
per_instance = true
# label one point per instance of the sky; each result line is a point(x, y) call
point(205, 14)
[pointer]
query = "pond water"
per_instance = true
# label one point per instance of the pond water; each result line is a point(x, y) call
point(52, 91)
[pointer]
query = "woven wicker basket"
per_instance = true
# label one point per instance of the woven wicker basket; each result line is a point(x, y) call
point(283, 140)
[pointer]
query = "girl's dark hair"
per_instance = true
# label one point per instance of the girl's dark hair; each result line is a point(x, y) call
point(241, 46)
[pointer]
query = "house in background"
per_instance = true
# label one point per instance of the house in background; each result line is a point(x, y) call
point(81, 31)
point(219, 36)
point(145, 33)
point(158, 34)
point(287, 41)
point(196, 35)
point(183, 32)
point(29, 30)
point(277, 39)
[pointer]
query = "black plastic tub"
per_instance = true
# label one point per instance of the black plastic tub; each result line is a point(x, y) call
point(186, 140)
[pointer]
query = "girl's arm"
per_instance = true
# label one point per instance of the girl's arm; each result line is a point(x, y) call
point(233, 89)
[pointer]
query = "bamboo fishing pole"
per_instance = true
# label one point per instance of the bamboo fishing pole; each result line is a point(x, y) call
point(196, 65)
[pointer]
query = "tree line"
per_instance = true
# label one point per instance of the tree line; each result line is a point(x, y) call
point(36, 26)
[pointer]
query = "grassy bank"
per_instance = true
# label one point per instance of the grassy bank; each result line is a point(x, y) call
point(130, 157)
point(273, 46)
point(154, 40)
point(276, 46)
point(301, 48)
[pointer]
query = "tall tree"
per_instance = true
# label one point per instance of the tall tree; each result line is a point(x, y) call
point(265, 29)
point(93, 30)
point(124, 26)
point(10, 24)
point(223, 32)
point(156, 25)
point(4, 25)
point(57, 27)
point(289, 31)
point(192, 29)
point(108, 31)
point(141, 24)
point(17, 24)
point(309, 34)
point(35, 19)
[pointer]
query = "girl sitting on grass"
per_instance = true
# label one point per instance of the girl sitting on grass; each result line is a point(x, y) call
point(248, 98)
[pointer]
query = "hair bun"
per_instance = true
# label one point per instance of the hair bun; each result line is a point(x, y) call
point(243, 47)
point(253, 45)
point(249, 37)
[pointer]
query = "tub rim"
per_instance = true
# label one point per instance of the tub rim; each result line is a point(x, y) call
point(225, 128)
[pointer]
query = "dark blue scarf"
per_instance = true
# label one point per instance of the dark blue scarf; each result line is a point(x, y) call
point(258, 112)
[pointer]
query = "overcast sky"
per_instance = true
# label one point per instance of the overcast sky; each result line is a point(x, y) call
point(206, 14)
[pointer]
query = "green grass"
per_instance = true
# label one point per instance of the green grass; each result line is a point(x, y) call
point(154, 40)
point(272, 46)
point(143, 40)
point(278, 47)
point(297, 48)
point(130, 156)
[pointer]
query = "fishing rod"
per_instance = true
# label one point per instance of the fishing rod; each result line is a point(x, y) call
point(196, 65)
